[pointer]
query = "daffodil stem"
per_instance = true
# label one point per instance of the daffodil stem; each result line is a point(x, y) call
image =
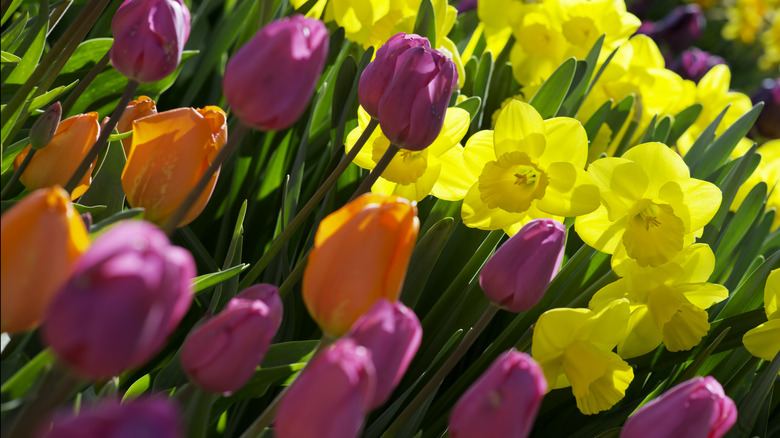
point(307, 209)
point(186, 205)
point(376, 172)
point(442, 372)
point(17, 174)
point(105, 131)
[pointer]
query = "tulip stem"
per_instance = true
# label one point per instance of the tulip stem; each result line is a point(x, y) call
point(105, 131)
point(442, 372)
point(186, 205)
point(17, 174)
point(376, 172)
point(307, 209)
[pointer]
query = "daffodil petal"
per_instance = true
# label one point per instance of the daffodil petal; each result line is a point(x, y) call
point(598, 378)
point(703, 295)
point(642, 335)
point(697, 263)
point(682, 324)
point(555, 330)
point(383, 186)
point(456, 123)
point(571, 191)
point(567, 142)
point(764, 340)
point(621, 182)
point(519, 128)
point(478, 151)
point(454, 180)
point(694, 201)
point(421, 188)
point(607, 326)
point(772, 294)
point(660, 164)
point(531, 214)
point(614, 291)
point(476, 214)
point(598, 231)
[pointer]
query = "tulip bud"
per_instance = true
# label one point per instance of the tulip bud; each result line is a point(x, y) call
point(681, 27)
point(126, 295)
point(155, 417)
point(380, 72)
point(270, 80)
point(169, 153)
point(411, 111)
point(331, 396)
point(503, 401)
point(44, 128)
point(222, 354)
point(392, 333)
point(360, 255)
point(136, 109)
point(697, 408)
point(767, 123)
point(42, 237)
point(149, 37)
point(54, 164)
point(693, 64)
point(517, 275)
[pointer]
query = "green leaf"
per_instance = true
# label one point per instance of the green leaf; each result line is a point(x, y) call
point(551, 94)
point(131, 213)
point(682, 121)
point(741, 169)
point(719, 150)
point(10, 11)
point(31, 48)
point(578, 92)
point(662, 130)
point(23, 380)
point(9, 58)
point(342, 90)
point(86, 55)
point(481, 87)
point(424, 257)
point(426, 22)
point(88, 208)
point(595, 121)
point(472, 105)
point(205, 281)
point(750, 294)
point(704, 140)
point(741, 223)
point(120, 136)
point(137, 388)
point(12, 151)
point(648, 135)
point(106, 188)
point(13, 32)
point(49, 96)
point(750, 406)
point(619, 114)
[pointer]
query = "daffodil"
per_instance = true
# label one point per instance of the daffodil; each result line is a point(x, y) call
point(768, 171)
point(667, 302)
point(764, 340)
point(651, 207)
point(527, 168)
point(574, 348)
point(437, 169)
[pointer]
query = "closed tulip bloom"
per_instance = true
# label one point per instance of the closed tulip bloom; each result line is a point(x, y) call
point(169, 153)
point(270, 80)
point(54, 164)
point(222, 354)
point(156, 417)
point(697, 408)
point(136, 109)
point(360, 255)
point(331, 396)
point(126, 295)
point(45, 126)
point(503, 402)
point(268, 294)
point(380, 72)
point(517, 275)
point(149, 37)
point(392, 333)
point(42, 238)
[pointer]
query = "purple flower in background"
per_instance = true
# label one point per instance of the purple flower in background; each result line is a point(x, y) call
point(768, 123)
point(694, 63)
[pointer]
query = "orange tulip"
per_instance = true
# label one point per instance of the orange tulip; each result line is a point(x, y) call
point(360, 254)
point(169, 153)
point(42, 237)
point(136, 109)
point(55, 163)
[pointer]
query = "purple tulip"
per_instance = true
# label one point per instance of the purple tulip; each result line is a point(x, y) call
point(411, 112)
point(697, 408)
point(768, 123)
point(331, 396)
point(127, 293)
point(503, 402)
point(517, 275)
point(270, 80)
point(380, 72)
point(392, 333)
point(693, 64)
point(156, 417)
point(149, 37)
point(467, 5)
point(681, 27)
point(222, 354)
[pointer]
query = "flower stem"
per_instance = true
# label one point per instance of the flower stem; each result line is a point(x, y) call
point(442, 372)
point(376, 172)
point(105, 131)
point(85, 82)
point(186, 205)
point(307, 209)
point(17, 174)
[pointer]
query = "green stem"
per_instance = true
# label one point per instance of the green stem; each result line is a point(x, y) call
point(442, 372)
point(307, 209)
point(85, 82)
point(17, 174)
point(105, 131)
point(376, 172)
point(294, 276)
point(194, 194)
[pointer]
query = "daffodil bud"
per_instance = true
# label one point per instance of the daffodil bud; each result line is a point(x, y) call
point(44, 128)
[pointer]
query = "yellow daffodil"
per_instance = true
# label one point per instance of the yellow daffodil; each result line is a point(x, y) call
point(437, 169)
point(768, 171)
point(764, 340)
point(746, 19)
point(651, 207)
point(527, 168)
point(574, 348)
point(771, 42)
point(667, 302)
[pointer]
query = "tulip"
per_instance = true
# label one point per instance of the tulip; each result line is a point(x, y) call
point(693, 64)
point(330, 397)
point(156, 417)
point(44, 128)
point(169, 153)
point(503, 402)
point(136, 109)
point(55, 163)
point(149, 37)
point(680, 28)
point(270, 80)
point(42, 237)
point(380, 72)
point(392, 333)
point(517, 275)
point(360, 255)
point(222, 354)
point(769, 93)
point(697, 408)
point(411, 111)
point(126, 295)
